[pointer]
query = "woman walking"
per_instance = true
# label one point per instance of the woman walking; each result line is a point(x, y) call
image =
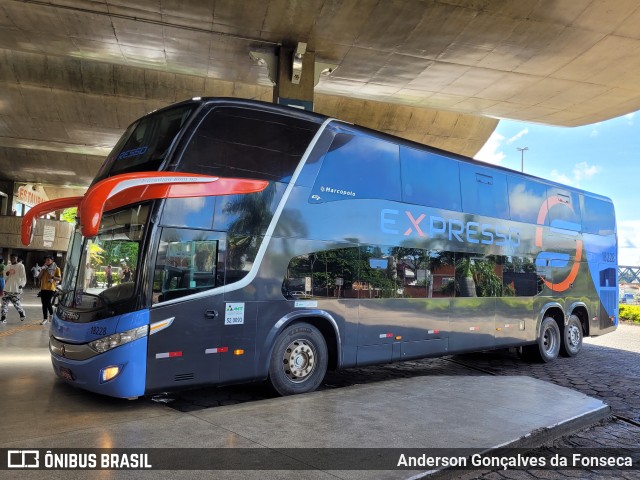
point(49, 276)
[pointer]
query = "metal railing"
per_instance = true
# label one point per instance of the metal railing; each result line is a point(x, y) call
point(628, 274)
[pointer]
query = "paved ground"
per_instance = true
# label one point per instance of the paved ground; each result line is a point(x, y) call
point(608, 368)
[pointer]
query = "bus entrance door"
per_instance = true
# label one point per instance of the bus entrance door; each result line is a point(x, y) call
point(184, 345)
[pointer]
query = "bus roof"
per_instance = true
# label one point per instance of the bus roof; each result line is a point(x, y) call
point(319, 118)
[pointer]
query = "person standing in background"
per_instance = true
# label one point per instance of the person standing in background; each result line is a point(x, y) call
point(109, 278)
point(35, 271)
point(125, 276)
point(50, 275)
point(16, 278)
point(88, 277)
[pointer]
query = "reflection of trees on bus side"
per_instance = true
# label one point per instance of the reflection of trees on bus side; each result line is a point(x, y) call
point(393, 272)
point(332, 265)
point(205, 251)
point(252, 213)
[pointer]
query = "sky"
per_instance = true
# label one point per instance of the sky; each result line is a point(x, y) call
point(602, 158)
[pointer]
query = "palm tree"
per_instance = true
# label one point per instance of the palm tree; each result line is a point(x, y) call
point(466, 283)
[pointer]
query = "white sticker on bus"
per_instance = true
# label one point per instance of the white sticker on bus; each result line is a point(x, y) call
point(234, 314)
point(306, 304)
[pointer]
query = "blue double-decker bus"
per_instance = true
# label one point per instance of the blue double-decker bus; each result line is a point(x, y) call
point(264, 242)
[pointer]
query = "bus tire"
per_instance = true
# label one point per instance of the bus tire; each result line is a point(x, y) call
point(299, 360)
point(572, 338)
point(547, 347)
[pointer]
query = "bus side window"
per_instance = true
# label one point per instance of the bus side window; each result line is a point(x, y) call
point(521, 277)
point(358, 166)
point(484, 191)
point(564, 209)
point(527, 198)
point(429, 179)
point(244, 143)
point(328, 273)
point(598, 216)
point(187, 263)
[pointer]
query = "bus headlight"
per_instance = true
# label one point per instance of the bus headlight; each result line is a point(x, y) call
point(112, 341)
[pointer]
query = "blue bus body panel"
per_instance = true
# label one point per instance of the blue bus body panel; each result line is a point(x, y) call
point(603, 270)
point(130, 357)
point(78, 333)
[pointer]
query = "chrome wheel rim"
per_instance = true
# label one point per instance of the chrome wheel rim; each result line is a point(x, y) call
point(299, 360)
point(549, 341)
point(574, 336)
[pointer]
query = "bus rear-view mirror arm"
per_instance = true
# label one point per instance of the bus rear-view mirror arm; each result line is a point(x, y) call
point(29, 220)
point(128, 188)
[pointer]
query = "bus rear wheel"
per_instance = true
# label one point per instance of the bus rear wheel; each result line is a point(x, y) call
point(299, 360)
point(572, 338)
point(548, 346)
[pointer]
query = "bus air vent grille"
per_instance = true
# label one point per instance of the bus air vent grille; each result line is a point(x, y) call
point(183, 376)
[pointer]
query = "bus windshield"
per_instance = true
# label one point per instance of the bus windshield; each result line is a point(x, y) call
point(101, 271)
point(144, 145)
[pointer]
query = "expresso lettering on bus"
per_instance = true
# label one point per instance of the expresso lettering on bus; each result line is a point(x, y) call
point(433, 226)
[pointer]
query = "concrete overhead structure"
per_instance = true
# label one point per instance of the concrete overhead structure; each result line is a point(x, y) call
point(75, 73)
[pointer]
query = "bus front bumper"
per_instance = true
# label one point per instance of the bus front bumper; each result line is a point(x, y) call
point(120, 372)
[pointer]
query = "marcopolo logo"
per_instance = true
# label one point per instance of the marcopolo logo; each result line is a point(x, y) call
point(23, 459)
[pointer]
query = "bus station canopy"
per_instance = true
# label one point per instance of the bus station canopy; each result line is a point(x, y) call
point(75, 73)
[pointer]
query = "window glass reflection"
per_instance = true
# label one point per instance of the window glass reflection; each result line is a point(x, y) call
point(526, 198)
point(188, 261)
point(598, 216)
point(484, 191)
point(371, 272)
point(521, 277)
point(194, 212)
point(564, 209)
point(429, 179)
point(359, 167)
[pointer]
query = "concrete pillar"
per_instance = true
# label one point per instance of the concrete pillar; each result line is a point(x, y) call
point(295, 78)
point(7, 188)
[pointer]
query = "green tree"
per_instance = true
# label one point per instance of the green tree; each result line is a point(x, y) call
point(69, 215)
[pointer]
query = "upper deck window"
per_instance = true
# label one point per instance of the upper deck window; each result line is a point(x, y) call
point(429, 179)
point(357, 167)
point(527, 198)
point(564, 209)
point(484, 191)
point(144, 145)
point(243, 143)
point(599, 216)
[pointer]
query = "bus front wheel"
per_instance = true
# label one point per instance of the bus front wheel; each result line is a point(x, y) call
point(572, 338)
point(548, 346)
point(299, 360)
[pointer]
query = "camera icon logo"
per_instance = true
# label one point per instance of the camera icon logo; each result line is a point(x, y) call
point(23, 459)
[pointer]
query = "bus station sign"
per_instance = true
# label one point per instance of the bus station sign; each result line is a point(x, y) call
point(31, 195)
